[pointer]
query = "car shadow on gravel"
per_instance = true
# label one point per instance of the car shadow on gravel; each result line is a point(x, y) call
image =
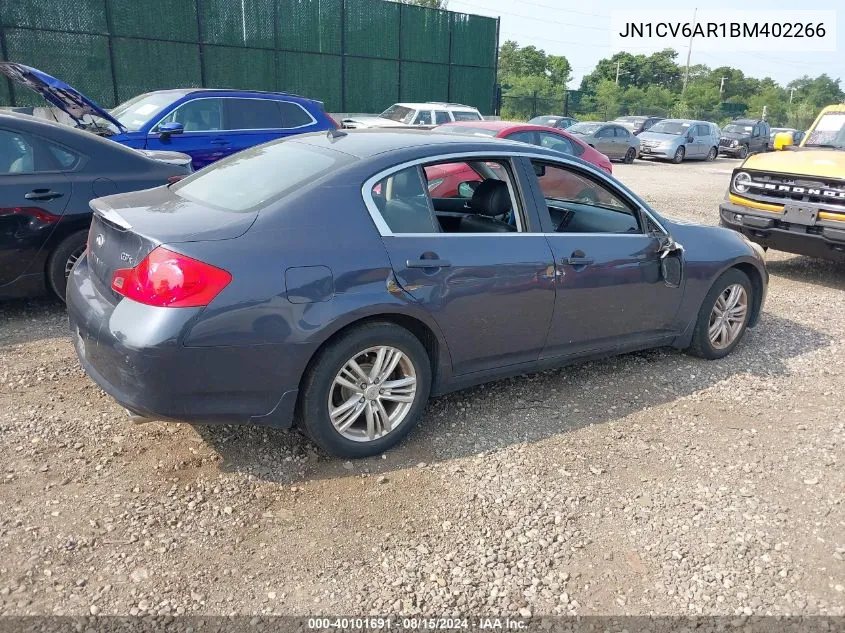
point(17, 317)
point(809, 270)
point(527, 408)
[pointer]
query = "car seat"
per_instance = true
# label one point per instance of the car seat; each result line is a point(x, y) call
point(407, 209)
point(490, 199)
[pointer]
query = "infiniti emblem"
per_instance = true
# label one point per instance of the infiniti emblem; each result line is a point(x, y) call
point(100, 240)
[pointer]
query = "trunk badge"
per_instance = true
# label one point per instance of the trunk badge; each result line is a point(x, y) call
point(100, 240)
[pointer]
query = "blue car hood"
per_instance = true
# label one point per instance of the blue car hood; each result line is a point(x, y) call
point(57, 92)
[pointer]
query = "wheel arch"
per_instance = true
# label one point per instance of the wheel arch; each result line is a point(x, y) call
point(757, 284)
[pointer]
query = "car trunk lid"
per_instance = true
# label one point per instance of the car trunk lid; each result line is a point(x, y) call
point(126, 228)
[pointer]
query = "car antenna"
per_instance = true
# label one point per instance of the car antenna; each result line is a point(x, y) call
point(333, 134)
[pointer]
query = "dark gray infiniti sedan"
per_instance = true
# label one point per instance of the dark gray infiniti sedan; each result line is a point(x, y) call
point(315, 281)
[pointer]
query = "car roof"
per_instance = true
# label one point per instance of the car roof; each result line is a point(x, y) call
point(752, 121)
point(365, 143)
point(433, 104)
point(263, 93)
point(500, 126)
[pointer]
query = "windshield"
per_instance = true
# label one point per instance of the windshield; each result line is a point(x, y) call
point(677, 128)
point(466, 129)
point(259, 175)
point(133, 114)
point(584, 128)
point(398, 113)
point(736, 128)
point(544, 120)
point(829, 132)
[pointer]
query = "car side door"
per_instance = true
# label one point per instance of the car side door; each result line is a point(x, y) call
point(610, 292)
point(35, 194)
point(203, 136)
point(606, 141)
point(488, 284)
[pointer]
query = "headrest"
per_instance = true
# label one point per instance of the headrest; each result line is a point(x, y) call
point(491, 197)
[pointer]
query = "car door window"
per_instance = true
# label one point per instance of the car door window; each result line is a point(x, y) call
point(606, 132)
point(450, 197)
point(198, 115)
point(557, 143)
point(252, 114)
point(621, 133)
point(423, 118)
point(17, 153)
point(523, 137)
point(578, 204)
point(293, 115)
point(441, 117)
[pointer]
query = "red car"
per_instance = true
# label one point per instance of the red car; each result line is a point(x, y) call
point(444, 180)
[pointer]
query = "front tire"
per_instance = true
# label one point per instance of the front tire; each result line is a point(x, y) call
point(679, 155)
point(630, 155)
point(62, 260)
point(723, 316)
point(743, 152)
point(365, 391)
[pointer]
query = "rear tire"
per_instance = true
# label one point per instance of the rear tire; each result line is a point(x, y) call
point(630, 155)
point(719, 298)
point(712, 154)
point(322, 390)
point(679, 155)
point(743, 152)
point(62, 260)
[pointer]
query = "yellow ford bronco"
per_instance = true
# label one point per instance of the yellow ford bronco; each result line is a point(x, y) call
point(794, 199)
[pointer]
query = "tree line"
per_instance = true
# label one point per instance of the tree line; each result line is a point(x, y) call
point(534, 82)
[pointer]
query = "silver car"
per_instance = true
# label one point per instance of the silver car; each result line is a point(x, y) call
point(611, 139)
point(678, 139)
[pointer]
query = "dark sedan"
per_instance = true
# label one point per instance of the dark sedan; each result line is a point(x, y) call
point(48, 175)
point(315, 280)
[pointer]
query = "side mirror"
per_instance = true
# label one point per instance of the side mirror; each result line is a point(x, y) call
point(690, 139)
point(467, 188)
point(539, 170)
point(782, 140)
point(166, 130)
point(671, 261)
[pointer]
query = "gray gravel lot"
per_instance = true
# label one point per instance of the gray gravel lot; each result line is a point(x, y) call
point(654, 483)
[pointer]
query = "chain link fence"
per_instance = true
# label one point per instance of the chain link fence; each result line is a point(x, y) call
point(354, 55)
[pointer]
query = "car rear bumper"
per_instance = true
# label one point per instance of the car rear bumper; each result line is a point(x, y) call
point(134, 353)
point(765, 229)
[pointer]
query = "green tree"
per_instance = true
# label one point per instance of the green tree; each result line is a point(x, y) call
point(431, 4)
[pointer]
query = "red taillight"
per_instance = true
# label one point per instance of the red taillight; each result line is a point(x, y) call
point(331, 118)
point(37, 213)
point(168, 279)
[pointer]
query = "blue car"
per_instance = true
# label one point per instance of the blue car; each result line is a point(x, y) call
point(206, 124)
point(316, 281)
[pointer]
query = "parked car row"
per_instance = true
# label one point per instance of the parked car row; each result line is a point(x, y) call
point(366, 338)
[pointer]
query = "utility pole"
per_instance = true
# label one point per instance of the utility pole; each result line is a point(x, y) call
point(765, 112)
point(689, 51)
point(618, 65)
point(791, 94)
point(722, 88)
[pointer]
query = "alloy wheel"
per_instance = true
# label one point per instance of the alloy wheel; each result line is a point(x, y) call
point(372, 393)
point(72, 259)
point(728, 316)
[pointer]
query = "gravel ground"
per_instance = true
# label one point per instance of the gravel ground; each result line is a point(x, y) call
point(654, 483)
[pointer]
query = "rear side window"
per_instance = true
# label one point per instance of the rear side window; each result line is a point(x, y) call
point(557, 143)
point(441, 117)
point(252, 114)
point(257, 176)
point(621, 132)
point(66, 159)
point(466, 116)
point(294, 115)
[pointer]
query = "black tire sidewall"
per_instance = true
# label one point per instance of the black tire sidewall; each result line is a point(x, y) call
point(680, 153)
point(701, 345)
point(58, 258)
point(743, 152)
point(712, 154)
point(313, 415)
point(630, 155)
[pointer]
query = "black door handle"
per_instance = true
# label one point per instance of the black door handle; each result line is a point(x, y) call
point(428, 263)
point(43, 194)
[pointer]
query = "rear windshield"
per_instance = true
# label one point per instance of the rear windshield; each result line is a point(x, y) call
point(251, 179)
point(584, 128)
point(462, 115)
point(544, 120)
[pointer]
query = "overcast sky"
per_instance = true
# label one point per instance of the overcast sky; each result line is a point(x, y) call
point(581, 32)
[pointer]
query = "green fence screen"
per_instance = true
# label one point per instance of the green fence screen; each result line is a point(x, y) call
point(354, 55)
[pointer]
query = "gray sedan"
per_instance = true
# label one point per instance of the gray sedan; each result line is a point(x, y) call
point(611, 139)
